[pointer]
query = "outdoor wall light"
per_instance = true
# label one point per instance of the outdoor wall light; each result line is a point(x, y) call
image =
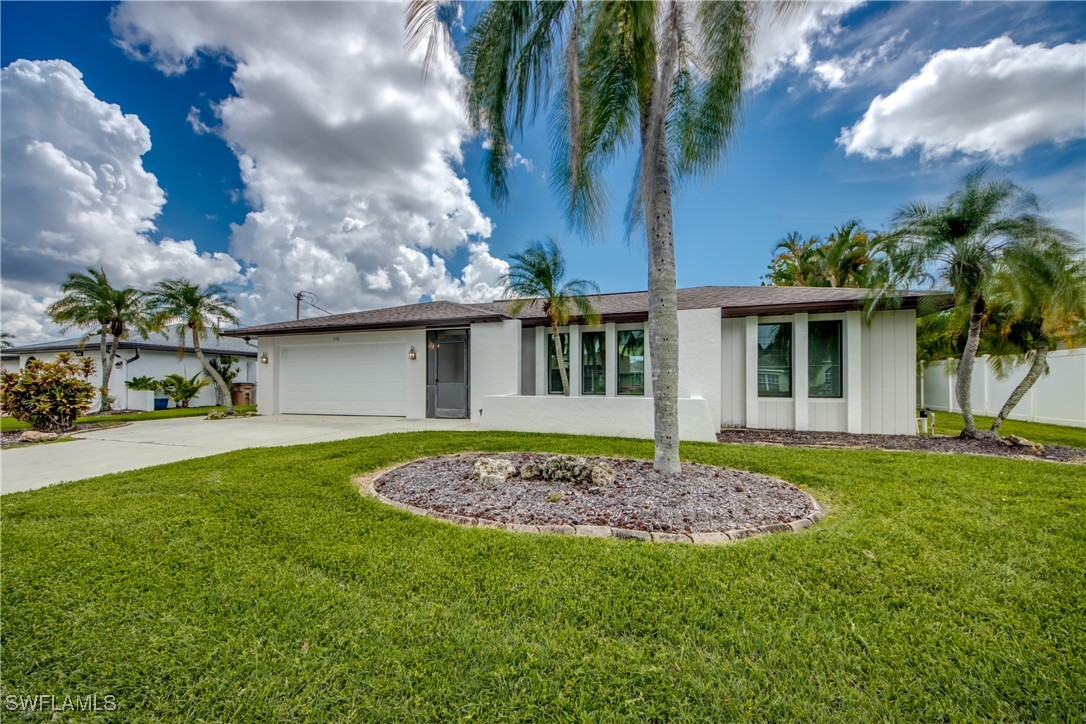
point(411, 354)
point(264, 358)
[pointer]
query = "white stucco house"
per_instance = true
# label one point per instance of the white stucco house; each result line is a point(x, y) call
point(771, 357)
point(155, 357)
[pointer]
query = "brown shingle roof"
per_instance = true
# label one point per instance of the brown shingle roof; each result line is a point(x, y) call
point(623, 306)
point(409, 315)
point(732, 301)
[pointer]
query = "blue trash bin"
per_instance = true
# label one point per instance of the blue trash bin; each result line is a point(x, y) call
point(161, 403)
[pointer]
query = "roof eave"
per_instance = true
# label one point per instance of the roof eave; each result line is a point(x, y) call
point(250, 332)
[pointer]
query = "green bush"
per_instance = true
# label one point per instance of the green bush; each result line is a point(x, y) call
point(49, 395)
point(144, 383)
point(181, 389)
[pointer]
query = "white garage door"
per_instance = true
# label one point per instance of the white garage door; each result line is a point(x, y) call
point(344, 379)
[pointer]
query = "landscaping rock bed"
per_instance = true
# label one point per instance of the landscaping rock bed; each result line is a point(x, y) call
point(562, 494)
point(1004, 448)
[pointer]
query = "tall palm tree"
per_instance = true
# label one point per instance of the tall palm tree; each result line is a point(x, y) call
point(90, 301)
point(663, 78)
point(1034, 313)
point(985, 225)
point(537, 275)
point(194, 311)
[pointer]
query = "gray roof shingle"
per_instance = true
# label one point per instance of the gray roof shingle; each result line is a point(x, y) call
point(155, 341)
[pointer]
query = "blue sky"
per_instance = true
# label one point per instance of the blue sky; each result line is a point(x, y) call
point(276, 148)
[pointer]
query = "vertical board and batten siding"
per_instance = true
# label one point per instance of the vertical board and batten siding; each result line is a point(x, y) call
point(828, 415)
point(733, 406)
point(888, 386)
point(776, 413)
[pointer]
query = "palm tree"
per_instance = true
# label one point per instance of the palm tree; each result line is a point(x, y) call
point(843, 258)
point(536, 275)
point(985, 225)
point(1033, 314)
point(195, 311)
point(90, 301)
point(664, 78)
point(795, 263)
point(5, 340)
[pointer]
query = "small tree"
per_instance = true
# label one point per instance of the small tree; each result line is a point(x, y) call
point(537, 275)
point(228, 371)
point(182, 389)
point(49, 395)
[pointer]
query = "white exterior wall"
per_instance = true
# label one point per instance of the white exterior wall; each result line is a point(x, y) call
point(1058, 398)
point(878, 390)
point(595, 415)
point(495, 363)
point(151, 363)
point(269, 391)
point(700, 358)
point(888, 385)
point(733, 354)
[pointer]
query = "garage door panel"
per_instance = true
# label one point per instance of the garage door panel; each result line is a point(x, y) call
point(361, 379)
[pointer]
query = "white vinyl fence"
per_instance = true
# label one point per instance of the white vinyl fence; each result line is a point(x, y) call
point(1058, 397)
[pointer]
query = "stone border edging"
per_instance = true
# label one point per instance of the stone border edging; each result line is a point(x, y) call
point(366, 481)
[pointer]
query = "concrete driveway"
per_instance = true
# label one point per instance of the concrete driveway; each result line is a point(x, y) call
point(155, 442)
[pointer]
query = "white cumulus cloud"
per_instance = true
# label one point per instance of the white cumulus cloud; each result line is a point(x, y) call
point(347, 156)
point(789, 40)
point(992, 101)
point(75, 194)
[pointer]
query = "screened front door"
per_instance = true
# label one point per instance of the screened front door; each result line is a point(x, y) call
point(447, 367)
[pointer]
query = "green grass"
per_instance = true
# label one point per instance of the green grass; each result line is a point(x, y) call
point(259, 585)
point(951, 423)
point(10, 424)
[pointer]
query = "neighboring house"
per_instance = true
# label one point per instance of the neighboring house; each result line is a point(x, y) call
point(1058, 398)
point(153, 357)
point(10, 362)
point(774, 357)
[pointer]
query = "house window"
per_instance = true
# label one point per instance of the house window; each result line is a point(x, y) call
point(554, 376)
point(824, 359)
point(631, 362)
point(774, 360)
point(593, 364)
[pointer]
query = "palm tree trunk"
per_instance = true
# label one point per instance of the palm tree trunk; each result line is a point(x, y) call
point(107, 368)
point(561, 360)
point(659, 226)
point(213, 375)
point(107, 371)
point(1040, 359)
point(964, 388)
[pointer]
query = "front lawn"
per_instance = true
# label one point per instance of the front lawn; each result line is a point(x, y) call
point(10, 424)
point(259, 585)
point(951, 423)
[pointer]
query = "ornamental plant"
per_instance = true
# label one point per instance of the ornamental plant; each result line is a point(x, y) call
point(49, 395)
point(144, 383)
point(182, 389)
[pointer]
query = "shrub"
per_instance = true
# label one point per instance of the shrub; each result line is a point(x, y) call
point(49, 395)
point(144, 383)
point(226, 368)
point(181, 389)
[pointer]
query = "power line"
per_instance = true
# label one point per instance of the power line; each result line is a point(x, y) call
point(308, 298)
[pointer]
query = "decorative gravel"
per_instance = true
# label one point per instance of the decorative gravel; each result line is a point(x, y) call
point(700, 499)
point(941, 444)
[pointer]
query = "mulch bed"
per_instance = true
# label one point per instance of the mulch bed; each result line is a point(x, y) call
point(701, 499)
point(796, 438)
